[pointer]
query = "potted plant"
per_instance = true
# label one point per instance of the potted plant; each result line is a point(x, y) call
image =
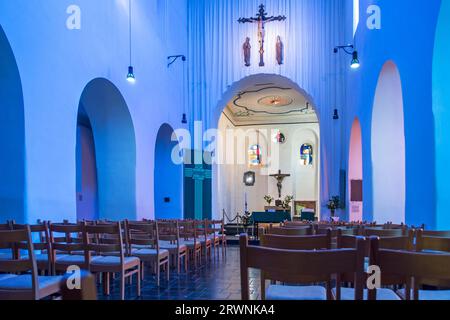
point(268, 199)
point(333, 204)
point(287, 201)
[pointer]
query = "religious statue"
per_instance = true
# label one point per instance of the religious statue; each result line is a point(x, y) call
point(280, 51)
point(261, 18)
point(247, 52)
point(280, 178)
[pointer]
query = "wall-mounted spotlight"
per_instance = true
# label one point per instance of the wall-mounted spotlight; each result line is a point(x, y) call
point(336, 114)
point(249, 179)
point(350, 50)
point(172, 59)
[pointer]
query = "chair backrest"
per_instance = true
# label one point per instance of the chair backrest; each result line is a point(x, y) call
point(423, 268)
point(188, 230)
point(201, 227)
point(295, 224)
point(6, 226)
point(144, 234)
point(315, 242)
point(335, 231)
point(215, 227)
point(300, 267)
point(299, 231)
point(169, 231)
point(12, 239)
point(43, 235)
point(103, 239)
point(66, 238)
point(431, 243)
point(440, 234)
point(384, 233)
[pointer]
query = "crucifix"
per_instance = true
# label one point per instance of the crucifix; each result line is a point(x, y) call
point(280, 178)
point(261, 18)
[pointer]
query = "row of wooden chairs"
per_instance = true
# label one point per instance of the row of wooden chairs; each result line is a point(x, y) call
point(425, 244)
point(60, 246)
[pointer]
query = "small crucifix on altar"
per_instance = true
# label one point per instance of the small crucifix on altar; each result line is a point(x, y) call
point(280, 178)
point(261, 18)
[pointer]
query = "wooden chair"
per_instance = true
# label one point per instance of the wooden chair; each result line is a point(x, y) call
point(43, 245)
point(215, 230)
point(169, 235)
point(205, 241)
point(299, 231)
point(146, 236)
point(403, 243)
point(27, 285)
point(315, 242)
point(413, 270)
point(300, 267)
point(102, 240)
point(188, 234)
point(67, 247)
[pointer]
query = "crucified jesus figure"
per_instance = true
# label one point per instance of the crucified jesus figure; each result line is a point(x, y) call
point(261, 18)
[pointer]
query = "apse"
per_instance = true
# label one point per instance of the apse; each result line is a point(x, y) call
point(355, 172)
point(12, 136)
point(441, 110)
point(388, 148)
point(115, 149)
point(168, 176)
point(267, 123)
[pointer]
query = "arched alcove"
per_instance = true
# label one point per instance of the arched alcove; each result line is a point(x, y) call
point(12, 137)
point(355, 172)
point(268, 104)
point(168, 176)
point(388, 148)
point(106, 111)
point(441, 110)
point(87, 179)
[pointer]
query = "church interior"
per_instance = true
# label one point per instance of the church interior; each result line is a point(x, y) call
point(224, 150)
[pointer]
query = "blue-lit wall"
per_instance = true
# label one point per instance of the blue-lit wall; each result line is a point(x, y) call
point(441, 109)
point(12, 136)
point(407, 38)
point(56, 64)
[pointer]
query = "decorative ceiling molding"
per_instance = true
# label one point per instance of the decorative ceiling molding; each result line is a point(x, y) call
point(247, 111)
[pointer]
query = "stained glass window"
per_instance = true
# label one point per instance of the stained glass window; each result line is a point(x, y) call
point(306, 155)
point(254, 155)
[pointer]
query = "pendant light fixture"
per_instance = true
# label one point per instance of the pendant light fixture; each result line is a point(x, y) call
point(130, 76)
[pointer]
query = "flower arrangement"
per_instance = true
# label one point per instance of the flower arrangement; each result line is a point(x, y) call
point(287, 201)
point(268, 199)
point(333, 204)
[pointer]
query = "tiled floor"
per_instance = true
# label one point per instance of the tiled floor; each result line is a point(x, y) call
point(219, 280)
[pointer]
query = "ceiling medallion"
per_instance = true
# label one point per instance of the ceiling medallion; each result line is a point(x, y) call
point(275, 101)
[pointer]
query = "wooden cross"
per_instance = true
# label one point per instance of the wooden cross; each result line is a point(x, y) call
point(280, 178)
point(261, 18)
